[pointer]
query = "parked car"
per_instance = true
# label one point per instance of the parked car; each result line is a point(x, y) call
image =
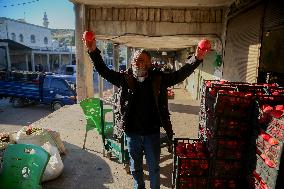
point(68, 70)
point(52, 90)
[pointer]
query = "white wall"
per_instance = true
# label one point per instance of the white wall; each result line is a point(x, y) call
point(12, 26)
point(3, 32)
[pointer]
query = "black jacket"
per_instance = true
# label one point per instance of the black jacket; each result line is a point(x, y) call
point(126, 83)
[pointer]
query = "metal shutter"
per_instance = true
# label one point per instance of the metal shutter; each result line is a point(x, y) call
point(274, 15)
point(272, 52)
point(241, 56)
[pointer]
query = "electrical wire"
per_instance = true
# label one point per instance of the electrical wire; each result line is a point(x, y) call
point(20, 4)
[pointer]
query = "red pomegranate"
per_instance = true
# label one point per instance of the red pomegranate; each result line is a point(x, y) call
point(279, 107)
point(204, 45)
point(266, 108)
point(273, 141)
point(276, 113)
point(88, 36)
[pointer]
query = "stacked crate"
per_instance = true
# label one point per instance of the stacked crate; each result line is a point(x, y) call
point(191, 164)
point(268, 141)
point(209, 93)
point(227, 127)
point(224, 130)
point(229, 138)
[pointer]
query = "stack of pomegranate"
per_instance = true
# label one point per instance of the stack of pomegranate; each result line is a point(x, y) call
point(241, 144)
point(269, 140)
point(209, 93)
point(191, 164)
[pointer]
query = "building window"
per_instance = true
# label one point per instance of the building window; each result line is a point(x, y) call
point(13, 36)
point(45, 40)
point(33, 40)
point(21, 38)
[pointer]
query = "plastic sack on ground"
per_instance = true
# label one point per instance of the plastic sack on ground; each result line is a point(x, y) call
point(5, 140)
point(55, 165)
point(56, 137)
point(39, 136)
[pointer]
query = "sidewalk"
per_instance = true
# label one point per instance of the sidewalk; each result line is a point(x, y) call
point(88, 169)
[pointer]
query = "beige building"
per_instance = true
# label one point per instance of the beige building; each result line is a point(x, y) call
point(243, 33)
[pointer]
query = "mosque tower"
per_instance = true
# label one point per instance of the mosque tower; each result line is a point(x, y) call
point(45, 20)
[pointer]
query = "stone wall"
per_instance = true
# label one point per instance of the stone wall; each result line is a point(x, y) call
point(176, 15)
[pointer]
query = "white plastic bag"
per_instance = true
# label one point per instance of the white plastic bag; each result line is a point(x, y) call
point(55, 165)
point(40, 137)
point(5, 140)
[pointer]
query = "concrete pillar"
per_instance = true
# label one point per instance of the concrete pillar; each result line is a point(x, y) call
point(101, 86)
point(84, 73)
point(70, 58)
point(101, 45)
point(128, 56)
point(60, 61)
point(116, 57)
point(47, 62)
point(115, 61)
point(33, 61)
point(51, 59)
point(27, 62)
point(8, 59)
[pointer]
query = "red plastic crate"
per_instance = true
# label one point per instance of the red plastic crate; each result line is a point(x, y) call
point(191, 163)
point(221, 183)
point(276, 91)
point(233, 105)
point(229, 127)
point(192, 183)
point(256, 182)
point(270, 99)
point(267, 174)
point(227, 168)
point(192, 167)
point(190, 157)
point(227, 149)
point(276, 128)
point(273, 152)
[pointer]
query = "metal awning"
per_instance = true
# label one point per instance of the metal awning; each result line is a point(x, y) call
point(158, 43)
point(13, 45)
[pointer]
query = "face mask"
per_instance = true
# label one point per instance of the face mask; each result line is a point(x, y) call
point(139, 72)
point(141, 79)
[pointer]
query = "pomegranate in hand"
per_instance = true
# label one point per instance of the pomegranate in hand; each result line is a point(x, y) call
point(204, 45)
point(88, 36)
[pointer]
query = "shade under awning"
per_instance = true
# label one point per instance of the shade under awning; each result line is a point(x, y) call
point(13, 45)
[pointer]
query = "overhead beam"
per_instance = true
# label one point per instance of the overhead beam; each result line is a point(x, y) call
point(157, 3)
point(155, 21)
point(159, 28)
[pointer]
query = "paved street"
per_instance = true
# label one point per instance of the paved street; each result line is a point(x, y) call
point(12, 119)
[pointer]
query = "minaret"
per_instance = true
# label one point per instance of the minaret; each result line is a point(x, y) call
point(45, 20)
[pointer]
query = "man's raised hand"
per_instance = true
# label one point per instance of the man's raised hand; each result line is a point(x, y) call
point(89, 40)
